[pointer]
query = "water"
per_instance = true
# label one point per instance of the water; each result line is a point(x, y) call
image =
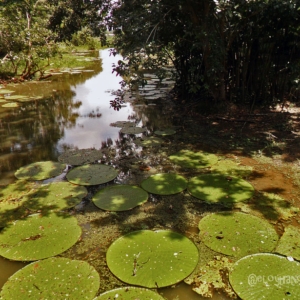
point(75, 113)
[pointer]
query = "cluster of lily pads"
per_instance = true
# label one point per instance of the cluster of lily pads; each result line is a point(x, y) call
point(36, 227)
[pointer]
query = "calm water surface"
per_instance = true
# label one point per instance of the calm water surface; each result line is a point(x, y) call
point(74, 113)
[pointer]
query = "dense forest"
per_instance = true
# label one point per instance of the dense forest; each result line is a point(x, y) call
point(242, 51)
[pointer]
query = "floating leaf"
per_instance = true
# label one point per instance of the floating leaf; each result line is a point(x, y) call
point(123, 124)
point(92, 174)
point(132, 130)
point(38, 237)
point(17, 97)
point(164, 132)
point(80, 157)
point(230, 167)
point(266, 276)
point(40, 170)
point(149, 141)
point(130, 293)
point(55, 196)
point(120, 197)
point(53, 278)
point(152, 258)
point(218, 188)
point(289, 243)
point(11, 104)
point(237, 234)
point(6, 91)
point(191, 159)
point(164, 184)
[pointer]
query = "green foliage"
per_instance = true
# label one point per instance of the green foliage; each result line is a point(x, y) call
point(237, 50)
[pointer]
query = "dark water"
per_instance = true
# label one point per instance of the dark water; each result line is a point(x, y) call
point(74, 113)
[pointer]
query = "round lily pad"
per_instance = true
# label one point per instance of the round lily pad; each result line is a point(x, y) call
point(152, 259)
point(149, 142)
point(120, 197)
point(92, 174)
point(218, 188)
point(164, 184)
point(38, 237)
point(191, 159)
point(40, 170)
point(164, 132)
point(80, 157)
point(55, 196)
point(11, 104)
point(123, 124)
point(289, 243)
point(16, 97)
point(53, 278)
point(230, 167)
point(266, 276)
point(6, 91)
point(130, 293)
point(132, 130)
point(237, 234)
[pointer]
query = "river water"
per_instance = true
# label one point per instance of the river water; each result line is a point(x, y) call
point(74, 113)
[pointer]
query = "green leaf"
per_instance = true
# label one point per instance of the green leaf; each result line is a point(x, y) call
point(289, 243)
point(132, 130)
point(149, 142)
point(53, 278)
point(130, 293)
point(237, 234)
point(191, 159)
point(218, 188)
point(119, 197)
point(92, 174)
point(38, 237)
point(152, 258)
point(164, 184)
point(229, 167)
point(40, 170)
point(266, 276)
point(164, 132)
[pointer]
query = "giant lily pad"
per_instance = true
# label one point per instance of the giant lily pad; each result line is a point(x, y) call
point(191, 159)
point(164, 184)
point(149, 142)
point(6, 91)
point(40, 170)
point(152, 258)
point(92, 174)
point(230, 167)
point(164, 132)
point(237, 234)
point(123, 124)
point(130, 293)
point(55, 196)
point(120, 197)
point(38, 237)
point(11, 104)
point(218, 188)
point(53, 278)
point(266, 276)
point(289, 243)
point(16, 97)
point(80, 157)
point(132, 130)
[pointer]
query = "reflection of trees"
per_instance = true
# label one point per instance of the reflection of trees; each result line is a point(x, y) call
point(30, 133)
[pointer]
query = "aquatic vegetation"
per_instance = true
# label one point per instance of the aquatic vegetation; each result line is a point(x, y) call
point(166, 131)
point(164, 184)
point(120, 197)
point(92, 174)
point(53, 278)
point(266, 276)
point(191, 159)
point(152, 258)
point(40, 170)
point(237, 234)
point(129, 293)
point(151, 141)
point(11, 104)
point(230, 167)
point(220, 189)
point(123, 124)
point(80, 157)
point(289, 243)
point(132, 130)
point(39, 236)
point(5, 91)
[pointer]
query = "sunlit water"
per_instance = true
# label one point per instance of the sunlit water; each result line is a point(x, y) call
point(75, 113)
